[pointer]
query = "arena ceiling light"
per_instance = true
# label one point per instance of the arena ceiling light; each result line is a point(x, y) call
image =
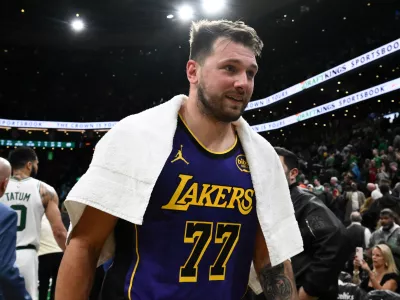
point(77, 25)
point(185, 12)
point(213, 6)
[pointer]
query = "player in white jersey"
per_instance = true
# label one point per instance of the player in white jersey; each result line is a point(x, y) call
point(31, 199)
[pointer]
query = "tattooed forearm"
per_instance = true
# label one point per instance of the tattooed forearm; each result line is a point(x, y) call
point(278, 282)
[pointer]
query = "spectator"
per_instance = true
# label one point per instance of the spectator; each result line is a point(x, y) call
point(327, 188)
point(335, 184)
point(388, 233)
point(358, 236)
point(354, 200)
point(377, 159)
point(382, 175)
point(318, 188)
point(326, 249)
point(383, 276)
point(372, 171)
point(356, 171)
point(391, 154)
point(375, 191)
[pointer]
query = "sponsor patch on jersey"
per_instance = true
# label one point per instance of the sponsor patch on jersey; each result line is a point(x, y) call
point(242, 164)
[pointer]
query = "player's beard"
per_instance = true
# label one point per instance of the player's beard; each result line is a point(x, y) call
point(214, 107)
point(33, 172)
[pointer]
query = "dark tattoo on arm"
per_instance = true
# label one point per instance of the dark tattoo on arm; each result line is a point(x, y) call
point(278, 282)
point(47, 194)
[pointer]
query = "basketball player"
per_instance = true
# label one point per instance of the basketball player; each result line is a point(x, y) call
point(31, 199)
point(192, 244)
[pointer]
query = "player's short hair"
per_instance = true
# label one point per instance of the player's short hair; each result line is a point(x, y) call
point(204, 33)
point(19, 157)
point(290, 159)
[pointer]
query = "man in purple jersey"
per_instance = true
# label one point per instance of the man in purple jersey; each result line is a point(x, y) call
point(207, 211)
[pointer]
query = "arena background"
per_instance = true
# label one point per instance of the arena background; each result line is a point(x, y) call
point(129, 57)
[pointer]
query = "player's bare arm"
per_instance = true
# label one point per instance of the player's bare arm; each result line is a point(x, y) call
point(277, 281)
point(50, 202)
point(75, 277)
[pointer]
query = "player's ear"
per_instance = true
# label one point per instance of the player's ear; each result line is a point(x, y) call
point(192, 71)
point(293, 173)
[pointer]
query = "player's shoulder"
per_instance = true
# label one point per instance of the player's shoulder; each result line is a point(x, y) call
point(43, 186)
point(256, 139)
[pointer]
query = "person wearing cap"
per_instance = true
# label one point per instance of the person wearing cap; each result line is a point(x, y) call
point(388, 233)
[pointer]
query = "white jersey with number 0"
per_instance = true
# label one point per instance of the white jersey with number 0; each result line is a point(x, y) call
point(24, 197)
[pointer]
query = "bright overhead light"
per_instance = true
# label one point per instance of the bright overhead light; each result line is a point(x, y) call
point(360, 74)
point(170, 16)
point(213, 6)
point(337, 91)
point(339, 82)
point(185, 12)
point(77, 25)
point(77, 15)
point(22, 10)
point(322, 90)
point(333, 115)
point(392, 101)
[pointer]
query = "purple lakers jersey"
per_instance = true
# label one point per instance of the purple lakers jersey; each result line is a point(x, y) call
point(198, 233)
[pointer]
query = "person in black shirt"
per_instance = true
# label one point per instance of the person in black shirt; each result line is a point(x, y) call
point(383, 276)
point(326, 246)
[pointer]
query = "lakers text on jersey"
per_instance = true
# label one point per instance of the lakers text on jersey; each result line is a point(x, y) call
point(197, 237)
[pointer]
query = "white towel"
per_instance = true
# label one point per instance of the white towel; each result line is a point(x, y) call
point(129, 158)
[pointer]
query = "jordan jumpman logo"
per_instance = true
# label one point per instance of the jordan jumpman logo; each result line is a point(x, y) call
point(179, 156)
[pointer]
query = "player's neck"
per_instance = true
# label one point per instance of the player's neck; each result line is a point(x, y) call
point(20, 174)
point(215, 135)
